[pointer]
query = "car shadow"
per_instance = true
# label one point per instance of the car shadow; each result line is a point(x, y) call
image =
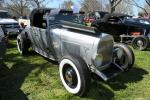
point(100, 89)
point(99, 92)
point(148, 49)
point(13, 72)
point(134, 75)
point(11, 79)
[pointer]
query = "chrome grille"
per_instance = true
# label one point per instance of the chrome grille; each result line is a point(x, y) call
point(106, 49)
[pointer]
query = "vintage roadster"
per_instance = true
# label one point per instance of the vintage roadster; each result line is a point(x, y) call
point(125, 29)
point(79, 50)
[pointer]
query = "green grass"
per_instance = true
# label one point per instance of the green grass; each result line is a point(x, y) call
point(34, 78)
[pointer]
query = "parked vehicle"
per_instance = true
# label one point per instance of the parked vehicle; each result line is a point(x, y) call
point(79, 17)
point(93, 16)
point(11, 25)
point(126, 29)
point(2, 44)
point(24, 21)
point(79, 50)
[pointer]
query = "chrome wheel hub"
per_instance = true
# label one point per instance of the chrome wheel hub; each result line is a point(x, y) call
point(140, 43)
point(69, 75)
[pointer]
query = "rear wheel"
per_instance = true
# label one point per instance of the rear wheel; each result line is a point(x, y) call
point(74, 75)
point(22, 44)
point(123, 56)
point(140, 43)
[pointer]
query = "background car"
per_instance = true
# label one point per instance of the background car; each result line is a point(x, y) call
point(125, 29)
point(11, 25)
point(93, 16)
point(79, 17)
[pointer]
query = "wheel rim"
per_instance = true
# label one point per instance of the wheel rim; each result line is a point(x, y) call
point(70, 76)
point(120, 58)
point(139, 44)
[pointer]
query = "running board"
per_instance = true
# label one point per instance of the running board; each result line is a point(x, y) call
point(109, 73)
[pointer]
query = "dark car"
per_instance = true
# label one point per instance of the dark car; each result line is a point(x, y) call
point(125, 29)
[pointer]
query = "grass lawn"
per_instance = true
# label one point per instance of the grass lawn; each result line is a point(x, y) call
point(34, 78)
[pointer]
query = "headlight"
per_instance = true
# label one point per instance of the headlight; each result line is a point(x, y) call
point(98, 60)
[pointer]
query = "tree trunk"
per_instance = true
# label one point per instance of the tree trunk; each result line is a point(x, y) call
point(112, 10)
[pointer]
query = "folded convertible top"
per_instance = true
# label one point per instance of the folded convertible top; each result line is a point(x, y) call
point(76, 26)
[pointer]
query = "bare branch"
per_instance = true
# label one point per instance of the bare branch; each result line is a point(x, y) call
point(148, 2)
point(137, 5)
point(114, 4)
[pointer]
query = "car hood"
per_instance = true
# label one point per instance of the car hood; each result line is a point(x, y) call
point(7, 21)
point(137, 23)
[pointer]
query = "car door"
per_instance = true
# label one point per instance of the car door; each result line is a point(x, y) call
point(34, 32)
point(44, 42)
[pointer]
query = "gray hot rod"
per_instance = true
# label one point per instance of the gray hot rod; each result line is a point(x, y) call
point(80, 51)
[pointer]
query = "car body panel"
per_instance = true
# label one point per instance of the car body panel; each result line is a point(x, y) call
point(2, 44)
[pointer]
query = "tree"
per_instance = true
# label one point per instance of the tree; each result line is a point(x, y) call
point(1, 3)
point(113, 4)
point(67, 5)
point(146, 7)
point(18, 7)
point(136, 4)
point(124, 7)
point(148, 2)
point(91, 5)
point(38, 3)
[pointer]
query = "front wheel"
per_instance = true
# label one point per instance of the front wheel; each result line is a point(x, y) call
point(74, 75)
point(22, 44)
point(123, 56)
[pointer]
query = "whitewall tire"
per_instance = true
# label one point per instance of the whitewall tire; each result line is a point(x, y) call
point(77, 88)
point(74, 75)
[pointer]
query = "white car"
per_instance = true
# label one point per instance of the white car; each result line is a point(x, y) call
point(2, 43)
point(11, 25)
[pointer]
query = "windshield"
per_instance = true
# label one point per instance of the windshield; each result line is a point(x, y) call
point(4, 15)
point(66, 16)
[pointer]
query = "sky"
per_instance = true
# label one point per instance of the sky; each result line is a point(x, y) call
point(57, 3)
